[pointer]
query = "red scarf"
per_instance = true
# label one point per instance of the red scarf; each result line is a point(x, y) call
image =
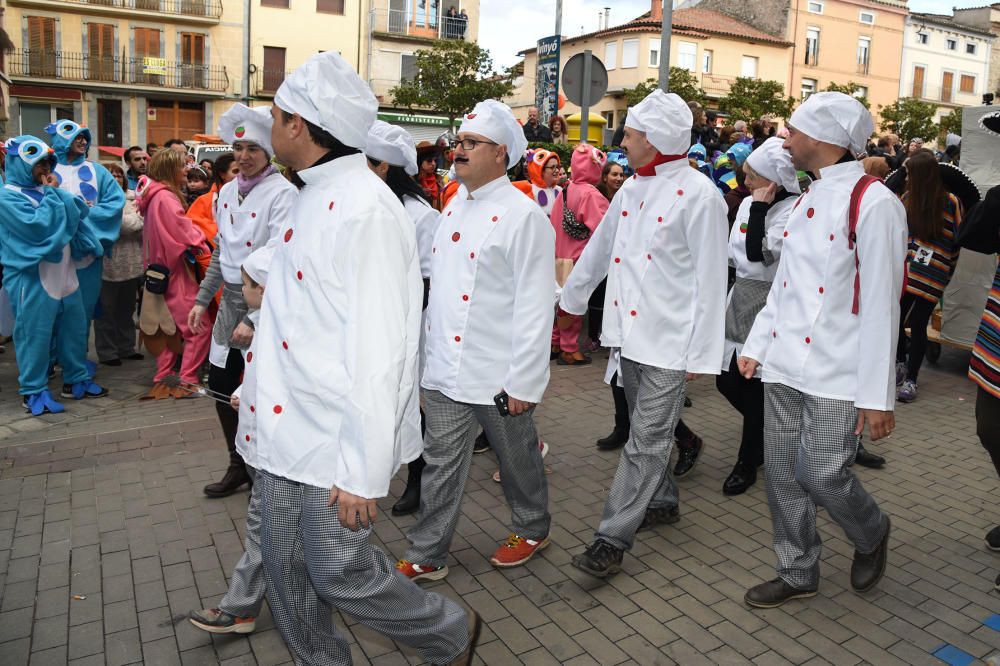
point(430, 184)
point(650, 169)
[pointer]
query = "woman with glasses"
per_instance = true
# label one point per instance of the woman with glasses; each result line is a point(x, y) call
point(543, 168)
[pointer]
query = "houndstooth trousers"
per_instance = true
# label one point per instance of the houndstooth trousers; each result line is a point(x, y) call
point(451, 430)
point(809, 443)
point(246, 586)
point(644, 480)
point(306, 549)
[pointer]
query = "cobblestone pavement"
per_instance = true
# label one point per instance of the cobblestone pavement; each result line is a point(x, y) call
point(106, 542)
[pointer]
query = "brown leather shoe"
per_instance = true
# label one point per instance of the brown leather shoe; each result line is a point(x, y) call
point(576, 358)
point(475, 627)
point(160, 391)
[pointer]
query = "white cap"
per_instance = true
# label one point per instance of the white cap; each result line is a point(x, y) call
point(241, 123)
point(392, 144)
point(496, 122)
point(666, 120)
point(833, 117)
point(327, 92)
point(773, 162)
point(258, 263)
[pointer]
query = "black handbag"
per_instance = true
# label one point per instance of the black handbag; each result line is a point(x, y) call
point(157, 277)
point(574, 229)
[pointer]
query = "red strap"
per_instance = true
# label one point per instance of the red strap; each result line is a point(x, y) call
point(852, 225)
point(650, 169)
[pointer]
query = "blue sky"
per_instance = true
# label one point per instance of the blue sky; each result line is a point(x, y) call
point(507, 27)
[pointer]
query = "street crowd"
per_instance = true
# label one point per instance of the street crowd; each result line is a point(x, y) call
point(351, 310)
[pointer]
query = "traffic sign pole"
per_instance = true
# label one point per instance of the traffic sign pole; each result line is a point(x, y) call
point(585, 101)
point(668, 17)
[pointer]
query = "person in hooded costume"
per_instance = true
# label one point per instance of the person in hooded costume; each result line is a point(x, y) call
point(826, 340)
point(95, 185)
point(41, 234)
point(662, 245)
point(249, 212)
point(487, 332)
point(336, 403)
point(543, 168)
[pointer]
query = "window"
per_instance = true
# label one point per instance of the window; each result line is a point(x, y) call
point(868, 18)
point(101, 52)
point(748, 67)
point(147, 46)
point(283, 4)
point(918, 81)
point(654, 56)
point(812, 46)
point(274, 68)
point(407, 67)
point(815, 7)
point(970, 48)
point(706, 61)
point(950, 44)
point(330, 6)
point(947, 86)
point(921, 38)
point(862, 91)
point(610, 55)
point(967, 84)
point(193, 59)
point(864, 54)
point(808, 88)
point(687, 55)
point(41, 46)
point(630, 54)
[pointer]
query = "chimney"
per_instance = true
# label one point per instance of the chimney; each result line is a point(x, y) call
point(656, 10)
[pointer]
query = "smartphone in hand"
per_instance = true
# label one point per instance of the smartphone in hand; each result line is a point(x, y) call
point(502, 401)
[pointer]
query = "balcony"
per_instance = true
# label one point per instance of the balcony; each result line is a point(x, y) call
point(381, 88)
point(114, 71)
point(407, 24)
point(266, 81)
point(943, 95)
point(187, 11)
point(716, 87)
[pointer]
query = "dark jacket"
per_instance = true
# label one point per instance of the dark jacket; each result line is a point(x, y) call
point(537, 132)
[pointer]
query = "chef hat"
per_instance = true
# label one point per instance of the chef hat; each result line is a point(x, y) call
point(833, 117)
point(666, 119)
point(327, 92)
point(773, 162)
point(392, 144)
point(496, 122)
point(241, 123)
point(257, 264)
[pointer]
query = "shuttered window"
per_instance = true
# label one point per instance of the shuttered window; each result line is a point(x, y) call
point(147, 45)
point(101, 51)
point(193, 59)
point(42, 45)
point(918, 82)
point(947, 86)
point(330, 6)
point(274, 68)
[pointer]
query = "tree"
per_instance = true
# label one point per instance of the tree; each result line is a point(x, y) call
point(749, 99)
point(681, 81)
point(952, 123)
point(851, 89)
point(909, 118)
point(452, 76)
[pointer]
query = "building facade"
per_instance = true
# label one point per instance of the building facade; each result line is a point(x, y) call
point(714, 47)
point(6, 47)
point(944, 62)
point(986, 19)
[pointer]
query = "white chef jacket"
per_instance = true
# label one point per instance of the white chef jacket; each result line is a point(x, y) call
point(489, 318)
point(337, 401)
point(425, 221)
point(806, 336)
point(774, 227)
point(245, 227)
point(662, 244)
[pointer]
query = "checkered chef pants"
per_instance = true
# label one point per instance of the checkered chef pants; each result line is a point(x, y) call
point(451, 430)
point(246, 590)
point(305, 548)
point(809, 443)
point(644, 480)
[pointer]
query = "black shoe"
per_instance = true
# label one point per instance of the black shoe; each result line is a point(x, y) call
point(687, 456)
point(740, 479)
point(687, 401)
point(866, 458)
point(409, 501)
point(996, 585)
point(601, 559)
point(867, 568)
point(775, 592)
point(667, 515)
point(482, 444)
point(993, 538)
point(236, 476)
point(135, 357)
point(615, 440)
point(114, 362)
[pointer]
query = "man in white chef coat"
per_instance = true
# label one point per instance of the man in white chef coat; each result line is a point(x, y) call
point(663, 246)
point(487, 329)
point(826, 340)
point(336, 404)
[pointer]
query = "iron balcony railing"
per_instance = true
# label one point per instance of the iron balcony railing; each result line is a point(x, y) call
point(267, 81)
point(429, 25)
point(205, 8)
point(159, 72)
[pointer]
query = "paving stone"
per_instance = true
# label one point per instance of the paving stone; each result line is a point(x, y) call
point(15, 624)
point(49, 633)
point(122, 647)
point(86, 640)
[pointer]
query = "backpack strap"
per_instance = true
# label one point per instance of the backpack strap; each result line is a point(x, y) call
point(852, 237)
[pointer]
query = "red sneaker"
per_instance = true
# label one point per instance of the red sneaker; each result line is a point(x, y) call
point(516, 551)
point(417, 572)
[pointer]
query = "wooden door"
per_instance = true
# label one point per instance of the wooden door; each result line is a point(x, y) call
point(193, 59)
point(173, 120)
point(274, 68)
point(101, 52)
point(918, 82)
point(947, 85)
point(42, 46)
point(147, 45)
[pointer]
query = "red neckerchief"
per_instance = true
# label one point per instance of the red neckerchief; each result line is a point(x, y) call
point(650, 169)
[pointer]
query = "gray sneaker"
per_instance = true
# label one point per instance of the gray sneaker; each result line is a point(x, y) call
point(900, 373)
point(907, 392)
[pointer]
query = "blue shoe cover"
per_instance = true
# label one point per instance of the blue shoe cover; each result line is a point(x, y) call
point(87, 389)
point(43, 402)
point(91, 369)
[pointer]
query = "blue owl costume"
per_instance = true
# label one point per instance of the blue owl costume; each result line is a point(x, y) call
point(41, 229)
point(95, 185)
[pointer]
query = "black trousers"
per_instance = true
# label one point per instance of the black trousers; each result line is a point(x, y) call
point(225, 381)
point(114, 330)
point(684, 435)
point(747, 396)
point(988, 424)
point(917, 312)
point(595, 311)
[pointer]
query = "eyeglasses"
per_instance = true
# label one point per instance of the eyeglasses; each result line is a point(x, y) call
point(470, 144)
point(552, 167)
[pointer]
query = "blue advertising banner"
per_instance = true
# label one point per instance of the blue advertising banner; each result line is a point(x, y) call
point(547, 79)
